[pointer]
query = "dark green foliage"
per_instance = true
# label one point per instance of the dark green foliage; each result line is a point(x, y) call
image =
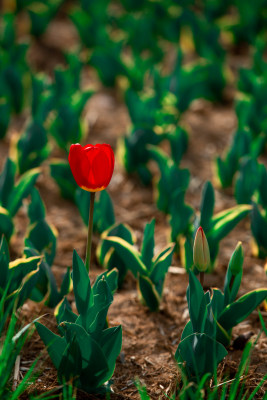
point(258, 229)
point(68, 103)
point(247, 180)
point(13, 72)
point(212, 317)
point(12, 193)
point(41, 235)
point(86, 351)
point(103, 209)
point(136, 154)
point(242, 144)
point(172, 179)
point(150, 270)
point(108, 256)
point(45, 288)
point(17, 277)
point(41, 13)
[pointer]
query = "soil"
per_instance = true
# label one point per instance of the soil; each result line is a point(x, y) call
point(149, 339)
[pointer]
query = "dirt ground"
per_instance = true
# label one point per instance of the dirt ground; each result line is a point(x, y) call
point(149, 339)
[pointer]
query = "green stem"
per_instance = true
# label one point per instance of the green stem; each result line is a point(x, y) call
point(90, 231)
point(201, 278)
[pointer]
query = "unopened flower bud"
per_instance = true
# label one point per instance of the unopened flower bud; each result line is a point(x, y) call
point(237, 258)
point(201, 252)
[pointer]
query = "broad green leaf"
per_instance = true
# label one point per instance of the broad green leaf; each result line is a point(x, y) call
point(44, 239)
point(148, 293)
point(188, 330)
point(120, 230)
point(128, 254)
point(63, 312)
point(19, 268)
point(196, 303)
point(4, 263)
point(6, 224)
point(94, 367)
point(81, 287)
point(55, 344)
point(66, 284)
point(110, 343)
point(160, 267)
point(22, 190)
point(200, 353)
point(207, 206)
point(36, 209)
point(7, 180)
point(236, 312)
point(148, 244)
point(225, 221)
point(61, 173)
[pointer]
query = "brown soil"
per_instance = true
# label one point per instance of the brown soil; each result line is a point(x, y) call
point(149, 339)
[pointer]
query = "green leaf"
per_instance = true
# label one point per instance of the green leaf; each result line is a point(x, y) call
point(81, 287)
point(7, 180)
point(19, 268)
point(160, 267)
point(4, 263)
point(63, 312)
point(196, 303)
point(236, 312)
point(94, 369)
point(44, 239)
point(147, 249)
point(110, 343)
point(61, 173)
point(129, 253)
point(6, 224)
point(207, 206)
point(225, 221)
point(22, 190)
point(148, 293)
point(56, 345)
point(66, 284)
point(200, 353)
point(36, 209)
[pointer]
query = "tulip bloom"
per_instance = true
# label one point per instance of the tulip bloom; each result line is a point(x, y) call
point(91, 166)
point(201, 252)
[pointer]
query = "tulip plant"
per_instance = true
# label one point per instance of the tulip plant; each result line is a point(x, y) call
point(213, 314)
point(149, 270)
point(12, 193)
point(92, 168)
point(219, 225)
point(86, 349)
point(18, 277)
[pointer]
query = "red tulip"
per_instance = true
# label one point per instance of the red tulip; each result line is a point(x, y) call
point(92, 166)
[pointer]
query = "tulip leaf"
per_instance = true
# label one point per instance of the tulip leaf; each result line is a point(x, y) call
point(236, 312)
point(22, 190)
point(207, 206)
point(82, 288)
point(56, 345)
point(149, 293)
point(196, 303)
point(201, 353)
point(127, 252)
point(148, 244)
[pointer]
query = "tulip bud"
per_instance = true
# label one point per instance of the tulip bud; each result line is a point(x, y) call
point(237, 258)
point(201, 252)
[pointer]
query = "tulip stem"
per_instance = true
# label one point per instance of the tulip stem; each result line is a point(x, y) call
point(201, 278)
point(90, 231)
